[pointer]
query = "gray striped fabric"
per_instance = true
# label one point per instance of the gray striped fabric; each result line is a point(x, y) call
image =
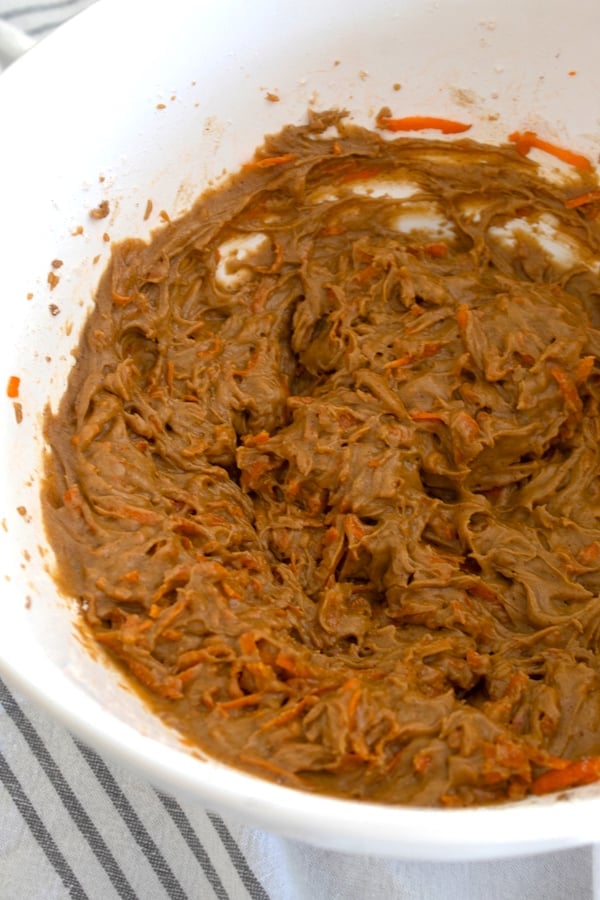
point(38, 19)
point(73, 825)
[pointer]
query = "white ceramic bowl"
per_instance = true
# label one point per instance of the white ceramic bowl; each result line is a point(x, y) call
point(80, 122)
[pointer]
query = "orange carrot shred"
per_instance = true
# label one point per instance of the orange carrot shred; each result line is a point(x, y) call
point(120, 299)
point(525, 141)
point(247, 643)
point(437, 250)
point(133, 576)
point(361, 174)
point(588, 555)
point(288, 715)
point(241, 702)
point(422, 762)
point(255, 440)
point(481, 590)
point(268, 161)
point(12, 388)
point(353, 705)
point(567, 388)
point(584, 369)
point(582, 199)
point(584, 771)
point(400, 362)
point(421, 123)
point(293, 666)
point(462, 316)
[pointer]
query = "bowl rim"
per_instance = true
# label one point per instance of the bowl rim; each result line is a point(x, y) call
point(509, 829)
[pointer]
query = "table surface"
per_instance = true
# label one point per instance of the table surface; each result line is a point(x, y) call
point(74, 825)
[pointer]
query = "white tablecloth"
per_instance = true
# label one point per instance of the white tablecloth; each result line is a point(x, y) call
point(75, 825)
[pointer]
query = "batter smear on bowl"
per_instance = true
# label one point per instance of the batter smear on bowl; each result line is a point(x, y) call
point(325, 479)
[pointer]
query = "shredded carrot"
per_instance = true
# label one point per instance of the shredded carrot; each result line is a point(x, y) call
point(584, 771)
point(292, 666)
point(584, 369)
point(589, 554)
point(168, 615)
point(268, 161)
point(72, 495)
point(131, 577)
point(291, 713)
point(423, 415)
point(138, 514)
point(581, 199)
point(365, 274)
point(247, 643)
point(526, 358)
point(12, 389)
point(168, 687)
point(191, 658)
point(354, 529)
point(462, 316)
point(333, 229)
point(437, 250)
point(252, 475)
point(430, 348)
point(187, 675)
point(481, 590)
point(255, 440)
point(422, 762)
point(466, 426)
point(120, 299)
point(361, 174)
point(567, 389)
point(421, 123)
point(241, 702)
point(172, 634)
point(217, 345)
point(525, 141)
point(352, 706)
point(207, 697)
point(400, 362)
point(230, 591)
point(331, 536)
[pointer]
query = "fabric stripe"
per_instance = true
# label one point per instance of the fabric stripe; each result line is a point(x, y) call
point(39, 831)
point(37, 8)
point(136, 827)
point(188, 834)
point(69, 799)
point(39, 30)
point(249, 879)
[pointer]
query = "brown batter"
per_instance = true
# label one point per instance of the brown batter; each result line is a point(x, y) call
point(325, 481)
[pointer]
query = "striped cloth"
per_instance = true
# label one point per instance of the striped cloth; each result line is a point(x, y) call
point(39, 19)
point(74, 825)
point(98, 832)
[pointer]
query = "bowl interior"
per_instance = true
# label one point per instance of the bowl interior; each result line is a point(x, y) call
point(168, 107)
